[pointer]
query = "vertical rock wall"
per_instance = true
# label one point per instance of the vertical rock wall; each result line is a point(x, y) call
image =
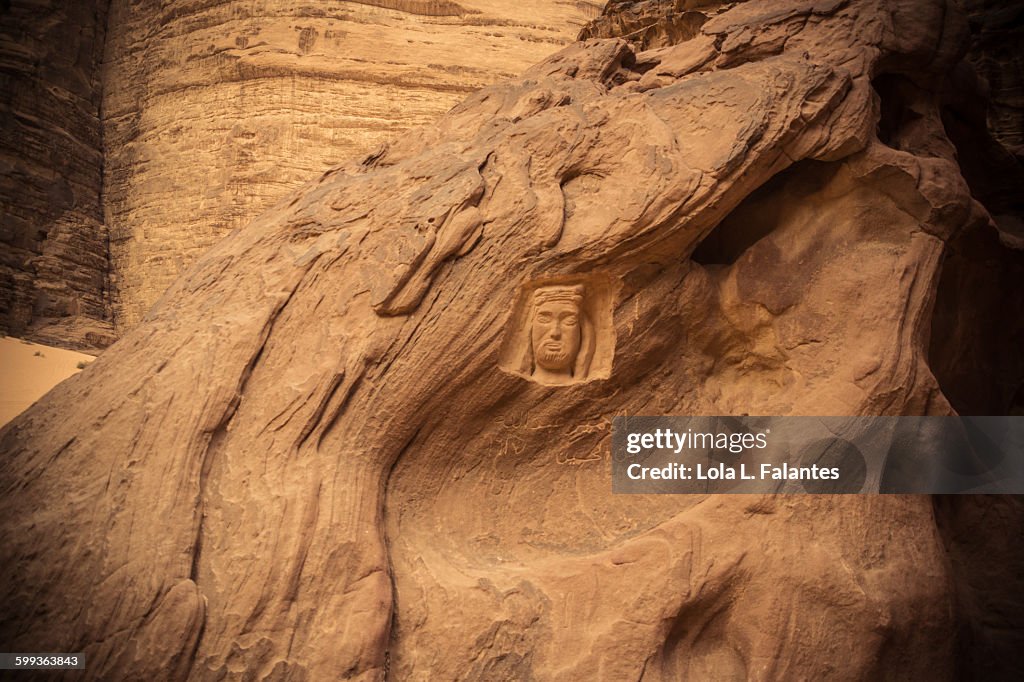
point(210, 112)
point(215, 110)
point(997, 29)
point(53, 260)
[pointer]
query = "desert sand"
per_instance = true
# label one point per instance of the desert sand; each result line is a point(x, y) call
point(28, 370)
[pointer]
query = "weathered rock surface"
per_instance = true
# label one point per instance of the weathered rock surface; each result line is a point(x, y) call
point(314, 460)
point(213, 111)
point(652, 23)
point(53, 260)
point(997, 29)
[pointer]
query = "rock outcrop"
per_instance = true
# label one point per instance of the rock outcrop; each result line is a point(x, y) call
point(211, 112)
point(53, 265)
point(214, 111)
point(652, 23)
point(997, 29)
point(328, 452)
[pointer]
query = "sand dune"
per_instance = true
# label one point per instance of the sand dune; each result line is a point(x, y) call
point(29, 370)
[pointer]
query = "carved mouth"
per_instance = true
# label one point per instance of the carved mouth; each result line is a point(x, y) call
point(553, 355)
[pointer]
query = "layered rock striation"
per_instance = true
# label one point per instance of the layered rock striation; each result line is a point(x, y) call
point(997, 29)
point(214, 111)
point(210, 113)
point(328, 452)
point(54, 284)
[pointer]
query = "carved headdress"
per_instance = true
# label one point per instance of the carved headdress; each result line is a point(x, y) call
point(569, 293)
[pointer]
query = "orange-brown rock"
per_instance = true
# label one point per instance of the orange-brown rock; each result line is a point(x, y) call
point(344, 445)
point(213, 111)
point(53, 258)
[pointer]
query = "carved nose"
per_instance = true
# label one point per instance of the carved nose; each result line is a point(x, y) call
point(556, 332)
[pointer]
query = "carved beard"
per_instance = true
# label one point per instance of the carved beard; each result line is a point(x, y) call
point(553, 359)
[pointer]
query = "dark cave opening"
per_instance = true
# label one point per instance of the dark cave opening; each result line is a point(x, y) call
point(758, 214)
point(976, 353)
point(896, 113)
point(976, 347)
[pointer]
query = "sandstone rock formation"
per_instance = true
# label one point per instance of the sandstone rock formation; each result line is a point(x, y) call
point(997, 28)
point(53, 263)
point(214, 111)
point(210, 113)
point(652, 23)
point(323, 454)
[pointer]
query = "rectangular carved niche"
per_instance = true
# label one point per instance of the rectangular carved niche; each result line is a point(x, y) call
point(561, 330)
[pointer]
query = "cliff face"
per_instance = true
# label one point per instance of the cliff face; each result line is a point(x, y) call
point(53, 261)
point(211, 111)
point(215, 110)
point(322, 455)
point(652, 23)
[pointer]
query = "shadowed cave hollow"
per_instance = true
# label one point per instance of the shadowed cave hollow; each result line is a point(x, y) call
point(977, 329)
point(758, 214)
point(975, 350)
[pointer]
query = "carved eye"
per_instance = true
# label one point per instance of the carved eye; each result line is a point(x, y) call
point(543, 317)
point(570, 321)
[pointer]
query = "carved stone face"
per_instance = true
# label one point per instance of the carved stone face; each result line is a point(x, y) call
point(555, 334)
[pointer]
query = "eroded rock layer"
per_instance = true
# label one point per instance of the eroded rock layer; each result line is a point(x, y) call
point(215, 110)
point(53, 261)
point(339, 448)
point(997, 29)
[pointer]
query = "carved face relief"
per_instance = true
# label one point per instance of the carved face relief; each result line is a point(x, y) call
point(561, 333)
point(556, 336)
point(555, 331)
